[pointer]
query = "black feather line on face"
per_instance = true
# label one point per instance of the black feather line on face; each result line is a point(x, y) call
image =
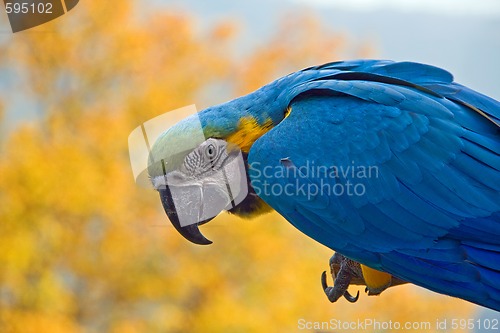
point(252, 205)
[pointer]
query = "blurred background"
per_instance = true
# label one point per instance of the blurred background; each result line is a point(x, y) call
point(83, 249)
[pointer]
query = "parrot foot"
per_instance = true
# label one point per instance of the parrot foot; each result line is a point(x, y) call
point(347, 270)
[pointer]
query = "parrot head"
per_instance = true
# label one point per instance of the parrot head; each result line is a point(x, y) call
point(199, 166)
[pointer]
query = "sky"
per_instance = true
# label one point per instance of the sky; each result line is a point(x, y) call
point(462, 36)
point(443, 7)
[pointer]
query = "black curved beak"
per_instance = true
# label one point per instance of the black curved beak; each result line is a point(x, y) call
point(190, 232)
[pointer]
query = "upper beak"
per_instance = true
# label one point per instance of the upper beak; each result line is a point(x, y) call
point(190, 232)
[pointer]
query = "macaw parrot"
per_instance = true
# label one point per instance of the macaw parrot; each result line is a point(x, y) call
point(407, 187)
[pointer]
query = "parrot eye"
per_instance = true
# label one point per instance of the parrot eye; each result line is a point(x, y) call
point(210, 151)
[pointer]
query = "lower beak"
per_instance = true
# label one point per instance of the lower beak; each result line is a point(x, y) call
point(190, 232)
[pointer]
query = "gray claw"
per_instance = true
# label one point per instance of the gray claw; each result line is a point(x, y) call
point(323, 281)
point(332, 293)
point(343, 271)
point(351, 298)
point(338, 289)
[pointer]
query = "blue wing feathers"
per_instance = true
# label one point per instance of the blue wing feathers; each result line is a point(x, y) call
point(412, 222)
point(479, 229)
point(394, 229)
point(467, 191)
point(435, 273)
point(485, 156)
point(468, 232)
point(437, 255)
point(398, 141)
point(483, 245)
point(304, 224)
point(464, 95)
point(431, 216)
point(485, 141)
point(407, 71)
point(406, 171)
point(415, 73)
point(483, 257)
point(436, 195)
point(401, 122)
point(490, 278)
point(445, 141)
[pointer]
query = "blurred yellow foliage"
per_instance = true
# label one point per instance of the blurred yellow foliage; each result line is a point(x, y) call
point(83, 249)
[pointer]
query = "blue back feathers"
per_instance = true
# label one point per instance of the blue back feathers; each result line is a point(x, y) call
point(431, 214)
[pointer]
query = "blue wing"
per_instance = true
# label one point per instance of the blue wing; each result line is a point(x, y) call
point(420, 155)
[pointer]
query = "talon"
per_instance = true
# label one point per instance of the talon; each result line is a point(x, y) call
point(323, 282)
point(331, 292)
point(339, 288)
point(351, 298)
point(344, 272)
